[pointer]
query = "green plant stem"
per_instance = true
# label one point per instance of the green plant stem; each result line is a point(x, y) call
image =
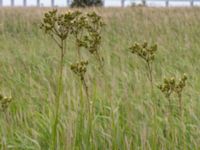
point(100, 61)
point(87, 93)
point(170, 105)
point(89, 109)
point(78, 49)
point(114, 147)
point(181, 118)
point(79, 53)
point(57, 100)
point(150, 76)
point(180, 105)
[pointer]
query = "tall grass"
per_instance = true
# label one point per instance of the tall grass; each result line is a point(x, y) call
point(123, 108)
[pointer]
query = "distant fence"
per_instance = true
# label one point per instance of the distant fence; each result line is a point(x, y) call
point(68, 2)
point(167, 2)
point(38, 2)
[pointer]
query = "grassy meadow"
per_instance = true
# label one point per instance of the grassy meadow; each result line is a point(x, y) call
point(125, 113)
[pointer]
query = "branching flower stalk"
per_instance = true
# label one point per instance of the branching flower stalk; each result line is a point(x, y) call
point(148, 55)
point(86, 30)
point(87, 33)
point(167, 88)
point(78, 32)
point(170, 85)
point(58, 26)
point(178, 90)
point(80, 69)
point(94, 28)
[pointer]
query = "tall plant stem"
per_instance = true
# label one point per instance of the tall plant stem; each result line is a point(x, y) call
point(100, 61)
point(182, 119)
point(78, 49)
point(150, 76)
point(87, 93)
point(170, 104)
point(89, 109)
point(180, 105)
point(58, 97)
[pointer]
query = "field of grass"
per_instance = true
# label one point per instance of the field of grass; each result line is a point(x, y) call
point(125, 115)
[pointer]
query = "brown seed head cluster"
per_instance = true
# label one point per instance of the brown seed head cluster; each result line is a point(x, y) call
point(59, 24)
point(85, 28)
point(170, 85)
point(144, 51)
point(181, 84)
point(80, 68)
point(94, 27)
point(4, 102)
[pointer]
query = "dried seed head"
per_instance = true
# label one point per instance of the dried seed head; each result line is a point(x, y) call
point(167, 86)
point(170, 85)
point(145, 52)
point(80, 68)
point(93, 40)
point(4, 102)
point(59, 25)
point(181, 84)
point(86, 28)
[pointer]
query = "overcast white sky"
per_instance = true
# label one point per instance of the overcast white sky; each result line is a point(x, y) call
point(107, 3)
